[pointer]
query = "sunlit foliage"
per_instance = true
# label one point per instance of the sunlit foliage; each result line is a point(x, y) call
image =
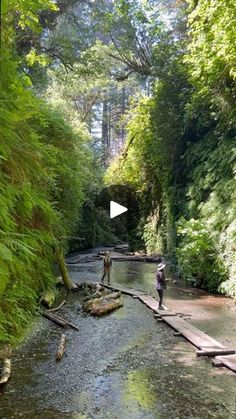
point(181, 150)
point(46, 167)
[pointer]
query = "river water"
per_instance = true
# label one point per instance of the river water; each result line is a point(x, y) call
point(126, 364)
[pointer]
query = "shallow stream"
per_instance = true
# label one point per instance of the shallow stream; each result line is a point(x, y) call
point(126, 364)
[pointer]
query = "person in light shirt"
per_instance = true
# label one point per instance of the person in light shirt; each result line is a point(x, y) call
point(107, 264)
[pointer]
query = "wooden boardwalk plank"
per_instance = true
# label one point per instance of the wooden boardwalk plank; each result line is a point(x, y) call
point(217, 363)
point(198, 338)
point(153, 305)
point(228, 361)
point(128, 291)
point(142, 296)
point(215, 352)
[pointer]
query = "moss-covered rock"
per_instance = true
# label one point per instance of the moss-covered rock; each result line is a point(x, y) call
point(48, 298)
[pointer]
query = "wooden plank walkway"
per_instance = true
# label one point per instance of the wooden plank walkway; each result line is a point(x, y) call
point(198, 338)
point(229, 361)
point(149, 301)
point(128, 291)
point(153, 305)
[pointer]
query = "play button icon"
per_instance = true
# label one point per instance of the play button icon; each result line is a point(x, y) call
point(116, 209)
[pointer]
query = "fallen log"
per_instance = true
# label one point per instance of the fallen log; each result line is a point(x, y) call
point(96, 294)
point(74, 287)
point(57, 308)
point(123, 247)
point(6, 371)
point(103, 305)
point(61, 348)
point(58, 320)
point(135, 259)
point(100, 310)
point(215, 352)
point(72, 325)
point(89, 291)
point(113, 296)
point(54, 319)
point(106, 294)
point(99, 287)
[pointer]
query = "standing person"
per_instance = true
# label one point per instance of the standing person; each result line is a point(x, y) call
point(107, 264)
point(161, 283)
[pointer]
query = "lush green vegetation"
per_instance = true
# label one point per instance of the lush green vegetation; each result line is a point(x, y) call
point(181, 149)
point(46, 170)
point(86, 82)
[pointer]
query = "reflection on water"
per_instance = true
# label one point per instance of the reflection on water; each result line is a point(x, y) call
point(137, 275)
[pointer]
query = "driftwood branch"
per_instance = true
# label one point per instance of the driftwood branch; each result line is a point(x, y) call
point(57, 308)
point(54, 319)
point(59, 320)
point(61, 348)
point(6, 371)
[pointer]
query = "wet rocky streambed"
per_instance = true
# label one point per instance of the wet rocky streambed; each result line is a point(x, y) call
point(125, 364)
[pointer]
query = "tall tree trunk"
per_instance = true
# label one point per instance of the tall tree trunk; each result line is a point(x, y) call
point(90, 123)
point(109, 127)
point(105, 124)
point(63, 268)
point(123, 109)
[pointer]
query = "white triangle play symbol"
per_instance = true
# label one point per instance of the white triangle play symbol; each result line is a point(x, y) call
point(116, 209)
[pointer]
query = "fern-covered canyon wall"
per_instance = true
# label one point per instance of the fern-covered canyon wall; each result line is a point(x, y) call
point(181, 150)
point(46, 172)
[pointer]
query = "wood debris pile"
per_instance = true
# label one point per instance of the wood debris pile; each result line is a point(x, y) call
point(98, 300)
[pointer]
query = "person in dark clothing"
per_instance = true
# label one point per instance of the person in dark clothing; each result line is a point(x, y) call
point(107, 264)
point(161, 283)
